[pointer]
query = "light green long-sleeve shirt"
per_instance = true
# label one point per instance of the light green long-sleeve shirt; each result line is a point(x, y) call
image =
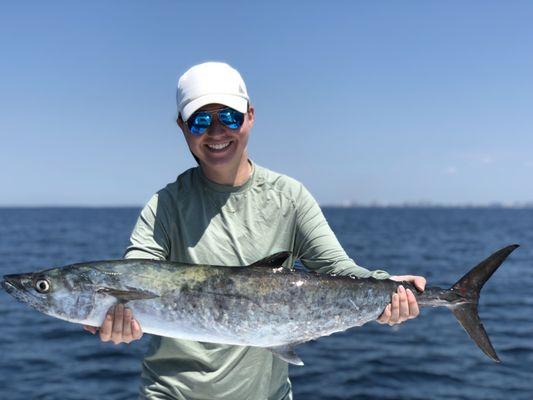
point(194, 220)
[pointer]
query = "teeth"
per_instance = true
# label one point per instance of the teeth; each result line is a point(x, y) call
point(218, 146)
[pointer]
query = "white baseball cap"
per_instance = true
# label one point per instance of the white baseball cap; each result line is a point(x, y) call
point(208, 83)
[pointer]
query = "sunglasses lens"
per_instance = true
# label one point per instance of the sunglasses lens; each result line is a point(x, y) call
point(231, 118)
point(199, 122)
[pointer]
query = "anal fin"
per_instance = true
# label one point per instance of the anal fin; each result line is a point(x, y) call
point(286, 353)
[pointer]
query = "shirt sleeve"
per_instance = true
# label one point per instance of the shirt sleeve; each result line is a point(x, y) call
point(317, 246)
point(150, 238)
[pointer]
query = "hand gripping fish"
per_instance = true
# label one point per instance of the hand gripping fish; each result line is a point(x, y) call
point(263, 304)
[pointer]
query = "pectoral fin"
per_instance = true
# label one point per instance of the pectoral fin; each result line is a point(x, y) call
point(286, 353)
point(128, 294)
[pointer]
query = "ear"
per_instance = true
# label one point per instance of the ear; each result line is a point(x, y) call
point(251, 114)
point(181, 123)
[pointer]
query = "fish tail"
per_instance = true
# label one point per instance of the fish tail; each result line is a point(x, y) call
point(468, 288)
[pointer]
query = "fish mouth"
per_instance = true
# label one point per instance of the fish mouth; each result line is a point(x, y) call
point(12, 283)
point(8, 286)
point(14, 286)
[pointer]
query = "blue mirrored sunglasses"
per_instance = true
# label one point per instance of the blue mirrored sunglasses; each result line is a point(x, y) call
point(200, 121)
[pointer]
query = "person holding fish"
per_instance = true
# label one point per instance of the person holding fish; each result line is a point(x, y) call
point(230, 211)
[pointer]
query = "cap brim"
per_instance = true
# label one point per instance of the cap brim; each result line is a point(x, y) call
point(236, 102)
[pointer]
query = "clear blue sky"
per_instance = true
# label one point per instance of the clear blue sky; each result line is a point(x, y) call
point(361, 101)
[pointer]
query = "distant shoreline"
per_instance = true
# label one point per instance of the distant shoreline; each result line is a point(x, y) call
point(528, 205)
point(517, 206)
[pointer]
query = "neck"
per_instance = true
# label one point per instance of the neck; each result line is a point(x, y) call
point(234, 175)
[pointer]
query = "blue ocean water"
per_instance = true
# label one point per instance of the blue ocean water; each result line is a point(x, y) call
point(430, 357)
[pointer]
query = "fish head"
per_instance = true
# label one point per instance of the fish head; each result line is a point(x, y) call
point(58, 292)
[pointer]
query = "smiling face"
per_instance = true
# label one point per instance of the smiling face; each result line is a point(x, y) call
point(220, 149)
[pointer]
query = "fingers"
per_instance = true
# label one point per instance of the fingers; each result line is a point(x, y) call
point(119, 326)
point(126, 331)
point(403, 306)
point(91, 329)
point(413, 305)
point(107, 326)
point(419, 282)
point(385, 317)
point(395, 311)
point(136, 330)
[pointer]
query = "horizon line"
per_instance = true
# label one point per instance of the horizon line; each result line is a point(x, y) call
point(491, 205)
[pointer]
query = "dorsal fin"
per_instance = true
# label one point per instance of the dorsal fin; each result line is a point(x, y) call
point(273, 261)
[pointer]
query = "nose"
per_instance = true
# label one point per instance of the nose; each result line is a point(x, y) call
point(216, 128)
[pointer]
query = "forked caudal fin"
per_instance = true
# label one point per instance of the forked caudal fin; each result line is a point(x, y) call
point(468, 287)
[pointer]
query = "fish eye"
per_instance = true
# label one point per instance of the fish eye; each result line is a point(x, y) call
point(42, 286)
